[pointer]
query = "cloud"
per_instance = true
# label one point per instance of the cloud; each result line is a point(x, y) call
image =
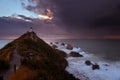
point(24, 17)
point(108, 24)
point(108, 21)
point(83, 17)
point(12, 27)
point(71, 19)
point(77, 12)
point(37, 6)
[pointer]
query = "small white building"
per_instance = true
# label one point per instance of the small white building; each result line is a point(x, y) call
point(31, 29)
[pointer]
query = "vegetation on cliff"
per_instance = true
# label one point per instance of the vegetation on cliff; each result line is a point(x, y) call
point(43, 61)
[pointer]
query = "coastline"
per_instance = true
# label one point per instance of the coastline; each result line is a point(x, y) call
point(77, 66)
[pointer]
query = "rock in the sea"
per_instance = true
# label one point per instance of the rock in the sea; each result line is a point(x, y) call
point(62, 44)
point(95, 66)
point(51, 43)
point(106, 65)
point(69, 47)
point(54, 46)
point(75, 54)
point(88, 62)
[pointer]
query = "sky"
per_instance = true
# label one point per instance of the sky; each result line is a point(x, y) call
point(61, 19)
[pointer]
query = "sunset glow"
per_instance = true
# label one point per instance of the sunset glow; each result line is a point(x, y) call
point(45, 17)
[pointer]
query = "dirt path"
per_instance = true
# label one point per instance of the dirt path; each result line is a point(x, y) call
point(15, 61)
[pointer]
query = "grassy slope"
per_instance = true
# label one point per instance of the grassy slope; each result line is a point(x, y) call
point(47, 63)
point(6, 55)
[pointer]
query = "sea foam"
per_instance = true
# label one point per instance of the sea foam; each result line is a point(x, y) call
point(77, 66)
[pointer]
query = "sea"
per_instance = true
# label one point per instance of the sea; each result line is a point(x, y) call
point(105, 53)
point(4, 42)
point(108, 49)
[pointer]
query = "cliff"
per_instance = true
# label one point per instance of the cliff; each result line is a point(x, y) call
point(38, 61)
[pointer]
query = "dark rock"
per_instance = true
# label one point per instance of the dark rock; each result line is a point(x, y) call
point(95, 66)
point(69, 47)
point(63, 44)
point(106, 64)
point(88, 62)
point(54, 46)
point(51, 43)
point(75, 54)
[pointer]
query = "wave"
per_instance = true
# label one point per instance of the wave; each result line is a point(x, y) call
point(77, 67)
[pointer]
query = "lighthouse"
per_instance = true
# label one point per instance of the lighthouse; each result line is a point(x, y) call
point(31, 29)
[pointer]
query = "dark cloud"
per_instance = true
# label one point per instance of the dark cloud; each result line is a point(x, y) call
point(24, 17)
point(75, 12)
point(12, 26)
point(79, 12)
point(109, 24)
point(108, 21)
point(81, 16)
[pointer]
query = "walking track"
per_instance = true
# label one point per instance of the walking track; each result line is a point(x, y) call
point(15, 61)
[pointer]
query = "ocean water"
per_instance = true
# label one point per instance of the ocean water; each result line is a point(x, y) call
point(77, 66)
point(4, 42)
point(105, 48)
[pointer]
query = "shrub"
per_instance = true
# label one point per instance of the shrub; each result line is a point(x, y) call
point(4, 64)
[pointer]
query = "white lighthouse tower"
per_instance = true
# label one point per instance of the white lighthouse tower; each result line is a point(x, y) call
point(31, 29)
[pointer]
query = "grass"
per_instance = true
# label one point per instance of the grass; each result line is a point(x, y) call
point(7, 51)
point(4, 65)
point(24, 73)
point(46, 63)
point(5, 56)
